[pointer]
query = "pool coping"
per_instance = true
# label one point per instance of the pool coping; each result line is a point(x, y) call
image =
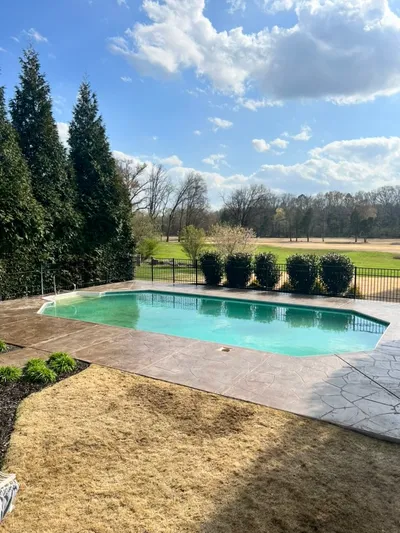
point(359, 391)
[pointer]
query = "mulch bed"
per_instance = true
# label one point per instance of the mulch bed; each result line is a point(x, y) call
point(10, 397)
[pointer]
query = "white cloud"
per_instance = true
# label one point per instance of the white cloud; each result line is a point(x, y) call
point(126, 79)
point(15, 39)
point(172, 161)
point(254, 105)
point(63, 132)
point(344, 51)
point(215, 160)
point(122, 3)
point(197, 132)
point(2, 49)
point(280, 143)
point(304, 135)
point(236, 5)
point(35, 35)
point(220, 123)
point(348, 166)
point(260, 145)
point(155, 138)
point(273, 6)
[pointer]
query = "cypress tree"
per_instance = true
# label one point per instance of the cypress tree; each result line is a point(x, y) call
point(102, 198)
point(21, 217)
point(32, 118)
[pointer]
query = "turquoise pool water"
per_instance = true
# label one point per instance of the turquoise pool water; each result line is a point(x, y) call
point(289, 330)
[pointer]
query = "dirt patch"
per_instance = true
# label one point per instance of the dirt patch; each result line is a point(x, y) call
point(373, 245)
point(209, 425)
point(106, 451)
point(10, 397)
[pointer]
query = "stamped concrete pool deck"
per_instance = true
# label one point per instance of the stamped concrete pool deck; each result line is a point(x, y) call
point(356, 390)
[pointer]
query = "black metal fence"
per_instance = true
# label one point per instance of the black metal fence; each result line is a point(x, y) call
point(44, 281)
point(381, 284)
point(368, 283)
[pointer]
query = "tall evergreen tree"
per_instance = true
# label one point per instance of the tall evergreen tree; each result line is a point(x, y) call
point(52, 186)
point(103, 199)
point(21, 217)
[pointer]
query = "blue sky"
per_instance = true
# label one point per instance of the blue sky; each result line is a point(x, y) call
point(301, 95)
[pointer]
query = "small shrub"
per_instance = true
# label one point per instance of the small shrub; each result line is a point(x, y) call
point(3, 346)
point(238, 269)
point(336, 273)
point(36, 371)
point(266, 270)
point(212, 266)
point(147, 247)
point(61, 363)
point(303, 272)
point(318, 288)
point(9, 374)
point(353, 292)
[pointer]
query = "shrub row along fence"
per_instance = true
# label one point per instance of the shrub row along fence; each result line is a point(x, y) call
point(293, 277)
point(296, 276)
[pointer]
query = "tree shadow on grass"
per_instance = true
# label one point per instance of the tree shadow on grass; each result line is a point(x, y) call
point(314, 477)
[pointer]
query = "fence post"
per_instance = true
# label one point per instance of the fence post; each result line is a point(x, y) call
point(41, 279)
point(54, 284)
point(355, 283)
point(152, 269)
point(196, 264)
point(173, 271)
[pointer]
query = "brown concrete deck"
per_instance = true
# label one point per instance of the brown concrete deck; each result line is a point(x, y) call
point(359, 391)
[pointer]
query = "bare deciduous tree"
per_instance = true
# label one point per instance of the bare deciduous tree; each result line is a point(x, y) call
point(136, 182)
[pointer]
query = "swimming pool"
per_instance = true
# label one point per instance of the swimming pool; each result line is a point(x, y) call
point(284, 329)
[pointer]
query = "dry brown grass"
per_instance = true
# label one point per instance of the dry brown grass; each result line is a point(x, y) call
point(106, 451)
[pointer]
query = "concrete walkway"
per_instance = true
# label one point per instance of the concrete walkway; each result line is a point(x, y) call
point(357, 390)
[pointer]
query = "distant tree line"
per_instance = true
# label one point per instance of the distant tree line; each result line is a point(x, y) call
point(169, 207)
point(332, 214)
point(67, 209)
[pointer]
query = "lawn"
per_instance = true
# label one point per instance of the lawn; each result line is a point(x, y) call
point(361, 259)
point(106, 451)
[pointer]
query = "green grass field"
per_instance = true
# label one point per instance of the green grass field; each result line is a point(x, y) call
point(360, 259)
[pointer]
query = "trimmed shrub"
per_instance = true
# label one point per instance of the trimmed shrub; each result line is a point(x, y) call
point(303, 272)
point(336, 273)
point(36, 371)
point(9, 374)
point(61, 363)
point(266, 270)
point(353, 292)
point(238, 270)
point(212, 266)
point(3, 346)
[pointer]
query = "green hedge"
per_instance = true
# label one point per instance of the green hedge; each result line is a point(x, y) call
point(303, 270)
point(212, 266)
point(336, 273)
point(266, 270)
point(238, 270)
